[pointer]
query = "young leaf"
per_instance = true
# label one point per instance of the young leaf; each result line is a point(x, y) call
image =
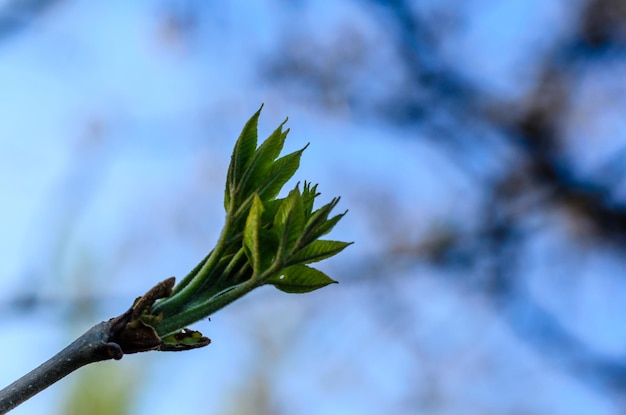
point(268, 244)
point(317, 220)
point(251, 234)
point(242, 155)
point(282, 170)
point(300, 279)
point(271, 209)
point(183, 340)
point(270, 149)
point(317, 251)
point(289, 221)
point(328, 225)
point(258, 170)
point(308, 197)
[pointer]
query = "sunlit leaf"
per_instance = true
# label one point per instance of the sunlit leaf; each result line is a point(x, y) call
point(300, 279)
point(282, 170)
point(289, 221)
point(317, 251)
point(270, 149)
point(259, 168)
point(251, 234)
point(242, 155)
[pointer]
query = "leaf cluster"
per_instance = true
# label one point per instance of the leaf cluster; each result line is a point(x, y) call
point(265, 240)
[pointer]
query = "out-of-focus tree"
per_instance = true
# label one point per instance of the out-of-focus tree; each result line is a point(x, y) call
point(542, 143)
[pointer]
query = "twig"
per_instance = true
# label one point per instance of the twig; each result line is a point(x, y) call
point(107, 340)
point(93, 346)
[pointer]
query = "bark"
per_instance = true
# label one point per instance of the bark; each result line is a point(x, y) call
point(93, 346)
point(125, 334)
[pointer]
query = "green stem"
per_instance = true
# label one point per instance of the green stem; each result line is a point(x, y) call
point(233, 263)
point(226, 275)
point(189, 277)
point(198, 312)
point(177, 301)
point(204, 309)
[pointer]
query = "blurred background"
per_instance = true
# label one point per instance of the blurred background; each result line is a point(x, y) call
point(480, 147)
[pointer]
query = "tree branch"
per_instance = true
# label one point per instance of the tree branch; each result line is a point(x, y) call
point(125, 334)
point(92, 346)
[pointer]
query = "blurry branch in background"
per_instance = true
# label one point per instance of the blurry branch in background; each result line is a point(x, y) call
point(266, 240)
point(535, 134)
point(504, 237)
point(436, 98)
point(17, 15)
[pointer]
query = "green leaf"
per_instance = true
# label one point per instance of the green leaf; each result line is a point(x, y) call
point(317, 225)
point(308, 198)
point(289, 221)
point(328, 225)
point(269, 244)
point(300, 279)
point(273, 145)
point(183, 340)
point(259, 168)
point(251, 234)
point(242, 155)
point(282, 170)
point(271, 209)
point(317, 251)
